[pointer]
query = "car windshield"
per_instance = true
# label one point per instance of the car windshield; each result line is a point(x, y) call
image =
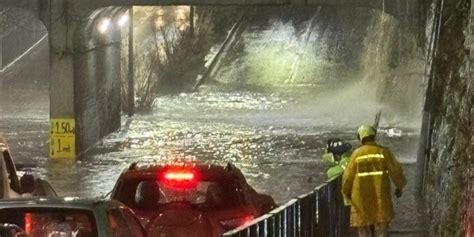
point(51, 222)
point(144, 193)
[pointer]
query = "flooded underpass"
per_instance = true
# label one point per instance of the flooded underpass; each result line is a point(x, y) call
point(275, 130)
point(263, 87)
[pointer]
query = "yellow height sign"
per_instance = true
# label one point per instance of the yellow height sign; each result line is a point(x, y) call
point(63, 138)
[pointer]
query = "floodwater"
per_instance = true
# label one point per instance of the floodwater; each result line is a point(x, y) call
point(275, 138)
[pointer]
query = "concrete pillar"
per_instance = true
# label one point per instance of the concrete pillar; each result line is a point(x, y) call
point(85, 74)
point(60, 28)
point(86, 111)
point(57, 19)
point(97, 77)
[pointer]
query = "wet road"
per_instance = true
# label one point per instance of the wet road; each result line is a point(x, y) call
point(278, 151)
point(282, 160)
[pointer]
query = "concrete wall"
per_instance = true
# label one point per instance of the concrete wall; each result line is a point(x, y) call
point(97, 94)
point(449, 163)
point(469, 193)
point(96, 82)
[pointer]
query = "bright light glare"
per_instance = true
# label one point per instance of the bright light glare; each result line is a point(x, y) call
point(68, 199)
point(28, 223)
point(104, 25)
point(179, 176)
point(123, 20)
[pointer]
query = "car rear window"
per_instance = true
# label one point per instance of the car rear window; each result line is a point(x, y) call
point(204, 194)
point(51, 222)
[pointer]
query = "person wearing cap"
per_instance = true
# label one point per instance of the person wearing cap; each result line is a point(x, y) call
point(337, 156)
point(366, 184)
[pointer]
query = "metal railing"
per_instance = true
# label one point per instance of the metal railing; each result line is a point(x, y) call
point(320, 212)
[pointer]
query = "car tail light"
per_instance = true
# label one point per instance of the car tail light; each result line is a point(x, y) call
point(28, 223)
point(179, 178)
point(236, 221)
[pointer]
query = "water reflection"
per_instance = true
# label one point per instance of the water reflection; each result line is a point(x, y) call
point(280, 160)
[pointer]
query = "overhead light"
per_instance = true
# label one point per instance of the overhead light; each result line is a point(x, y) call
point(104, 25)
point(123, 20)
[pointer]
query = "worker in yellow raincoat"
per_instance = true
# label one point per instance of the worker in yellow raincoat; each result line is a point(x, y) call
point(366, 183)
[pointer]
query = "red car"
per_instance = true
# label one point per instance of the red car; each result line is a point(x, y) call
point(190, 200)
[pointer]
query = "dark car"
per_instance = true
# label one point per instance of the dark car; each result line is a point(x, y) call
point(58, 217)
point(190, 200)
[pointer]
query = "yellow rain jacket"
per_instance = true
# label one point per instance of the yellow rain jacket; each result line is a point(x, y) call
point(366, 183)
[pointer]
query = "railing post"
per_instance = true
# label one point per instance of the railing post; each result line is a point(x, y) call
point(305, 216)
point(245, 233)
point(284, 223)
point(331, 208)
point(298, 218)
point(253, 231)
point(294, 219)
point(314, 213)
point(277, 225)
point(340, 208)
point(323, 212)
point(262, 228)
point(289, 219)
point(271, 226)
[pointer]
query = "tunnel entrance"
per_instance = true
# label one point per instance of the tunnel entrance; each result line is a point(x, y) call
point(320, 53)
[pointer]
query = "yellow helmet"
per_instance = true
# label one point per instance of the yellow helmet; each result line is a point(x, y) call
point(365, 131)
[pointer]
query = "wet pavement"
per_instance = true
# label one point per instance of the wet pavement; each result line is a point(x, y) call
point(411, 219)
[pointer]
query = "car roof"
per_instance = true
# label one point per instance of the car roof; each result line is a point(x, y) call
point(206, 171)
point(56, 202)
